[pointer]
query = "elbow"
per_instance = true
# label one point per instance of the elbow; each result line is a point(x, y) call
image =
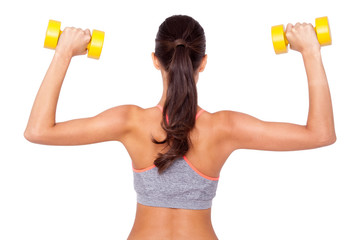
point(326, 140)
point(321, 136)
point(32, 136)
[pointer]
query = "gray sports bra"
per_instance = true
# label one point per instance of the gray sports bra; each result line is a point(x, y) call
point(179, 186)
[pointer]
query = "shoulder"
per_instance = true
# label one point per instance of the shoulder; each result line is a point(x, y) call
point(217, 124)
point(121, 119)
point(233, 127)
point(122, 112)
point(227, 119)
point(230, 119)
point(131, 116)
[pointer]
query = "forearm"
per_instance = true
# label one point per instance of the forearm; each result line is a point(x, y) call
point(320, 117)
point(43, 111)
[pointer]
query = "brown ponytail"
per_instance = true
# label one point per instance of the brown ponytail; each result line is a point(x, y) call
point(180, 47)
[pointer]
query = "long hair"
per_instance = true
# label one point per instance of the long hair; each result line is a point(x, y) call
point(180, 47)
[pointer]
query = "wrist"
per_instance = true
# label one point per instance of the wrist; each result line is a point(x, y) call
point(311, 52)
point(62, 53)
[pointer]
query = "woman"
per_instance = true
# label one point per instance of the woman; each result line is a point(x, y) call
point(183, 147)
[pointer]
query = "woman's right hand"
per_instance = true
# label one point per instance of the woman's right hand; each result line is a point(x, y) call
point(73, 41)
point(302, 37)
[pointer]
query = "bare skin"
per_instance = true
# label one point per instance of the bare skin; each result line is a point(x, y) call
point(215, 136)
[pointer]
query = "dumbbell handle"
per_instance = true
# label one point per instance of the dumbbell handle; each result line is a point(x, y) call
point(323, 41)
point(88, 46)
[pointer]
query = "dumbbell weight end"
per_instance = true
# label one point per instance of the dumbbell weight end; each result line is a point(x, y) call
point(322, 30)
point(96, 43)
point(279, 39)
point(52, 34)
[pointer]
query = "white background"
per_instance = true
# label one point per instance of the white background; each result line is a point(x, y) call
point(86, 192)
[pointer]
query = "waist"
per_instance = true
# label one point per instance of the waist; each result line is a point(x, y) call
point(172, 224)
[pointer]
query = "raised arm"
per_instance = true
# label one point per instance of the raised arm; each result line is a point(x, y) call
point(244, 131)
point(112, 124)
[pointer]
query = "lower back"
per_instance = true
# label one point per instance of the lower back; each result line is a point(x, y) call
point(172, 223)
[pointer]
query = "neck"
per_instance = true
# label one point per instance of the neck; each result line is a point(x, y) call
point(165, 88)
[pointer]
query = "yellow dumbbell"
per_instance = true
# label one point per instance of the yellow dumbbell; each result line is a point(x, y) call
point(280, 42)
point(53, 33)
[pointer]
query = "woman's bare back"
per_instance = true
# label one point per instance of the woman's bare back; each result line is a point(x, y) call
point(205, 155)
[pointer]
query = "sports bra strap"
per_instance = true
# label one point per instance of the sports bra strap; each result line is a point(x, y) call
point(199, 113)
point(160, 107)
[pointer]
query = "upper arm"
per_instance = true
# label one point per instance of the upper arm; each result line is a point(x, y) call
point(242, 131)
point(112, 124)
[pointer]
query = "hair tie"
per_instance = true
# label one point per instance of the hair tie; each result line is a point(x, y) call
point(180, 42)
